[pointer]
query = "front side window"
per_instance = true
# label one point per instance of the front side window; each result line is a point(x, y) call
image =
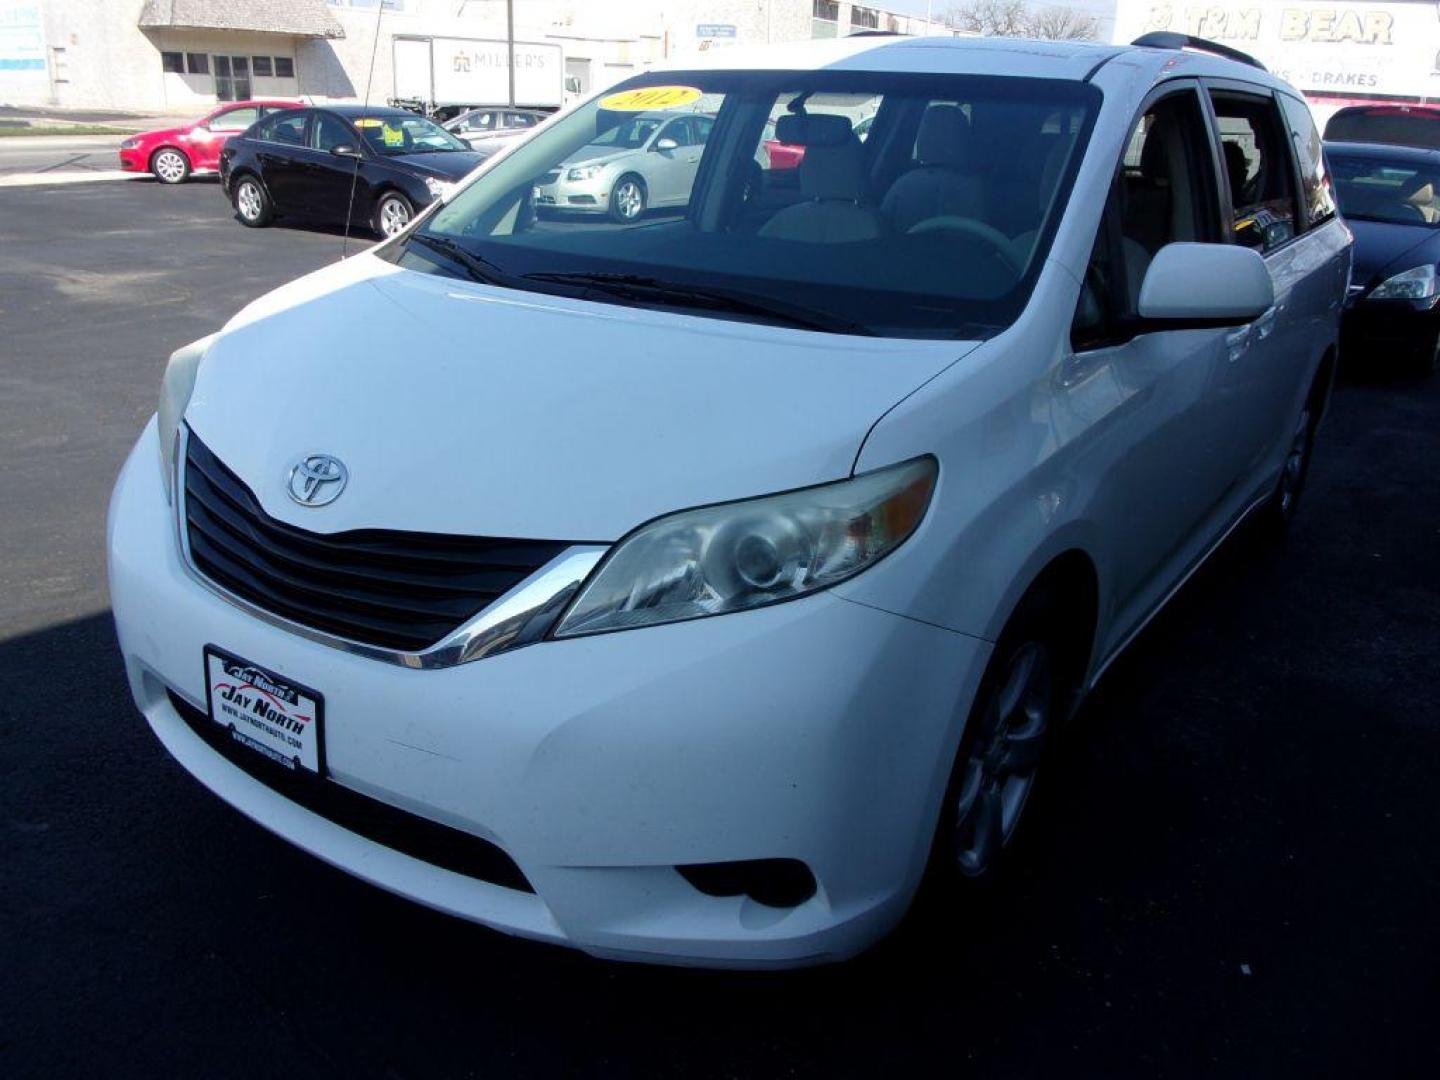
point(1393, 189)
point(329, 131)
point(1162, 194)
point(406, 134)
point(1258, 169)
point(934, 226)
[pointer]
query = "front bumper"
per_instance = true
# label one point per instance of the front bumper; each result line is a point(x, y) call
point(1374, 327)
point(134, 160)
point(820, 730)
point(576, 196)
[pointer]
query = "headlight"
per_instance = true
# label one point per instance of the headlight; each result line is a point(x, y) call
point(584, 172)
point(129, 144)
point(176, 387)
point(438, 188)
point(1415, 284)
point(748, 554)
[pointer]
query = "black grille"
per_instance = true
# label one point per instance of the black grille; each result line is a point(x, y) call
point(397, 590)
point(420, 838)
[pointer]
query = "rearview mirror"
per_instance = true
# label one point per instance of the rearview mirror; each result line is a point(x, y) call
point(666, 145)
point(345, 149)
point(1206, 285)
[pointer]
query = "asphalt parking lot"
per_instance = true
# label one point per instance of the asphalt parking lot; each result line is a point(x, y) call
point(1234, 873)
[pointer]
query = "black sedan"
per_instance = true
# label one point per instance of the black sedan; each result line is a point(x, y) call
point(306, 162)
point(1390, 198)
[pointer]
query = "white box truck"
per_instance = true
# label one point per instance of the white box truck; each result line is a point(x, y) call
point(444, 76)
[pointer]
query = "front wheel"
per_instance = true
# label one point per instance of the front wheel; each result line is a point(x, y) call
point(251, 203)
point(627, 201)
point(170, 167)
point(392, 213)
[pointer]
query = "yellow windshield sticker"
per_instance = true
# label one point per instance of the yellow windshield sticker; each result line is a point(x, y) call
point(650, 97)
point(393, 136)
point(367, 121)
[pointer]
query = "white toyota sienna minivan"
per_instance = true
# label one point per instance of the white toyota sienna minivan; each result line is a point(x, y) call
point(685, 588)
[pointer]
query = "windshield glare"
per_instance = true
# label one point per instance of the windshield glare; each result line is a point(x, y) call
point(406, 135)
point(901, 205)
point(1377, 189)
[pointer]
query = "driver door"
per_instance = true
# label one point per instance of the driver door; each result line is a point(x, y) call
point(670, 172)
point(329, 178)
point(1148, 401)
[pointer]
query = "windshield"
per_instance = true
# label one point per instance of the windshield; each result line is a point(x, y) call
point(1374, 188)
point(757, 195)
point(406, 135)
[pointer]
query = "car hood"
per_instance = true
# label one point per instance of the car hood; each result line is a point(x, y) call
point(1381, 249)
point(446, 164)
point(596, 155)
point(460, 408)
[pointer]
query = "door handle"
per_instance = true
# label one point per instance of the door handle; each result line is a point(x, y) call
point(1236, 342)
point(1266, 323)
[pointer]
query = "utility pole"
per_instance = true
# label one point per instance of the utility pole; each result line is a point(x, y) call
point(510, 40)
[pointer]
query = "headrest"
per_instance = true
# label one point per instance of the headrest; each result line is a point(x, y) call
point(944, 137)
point(833, 172)
point(813, 129)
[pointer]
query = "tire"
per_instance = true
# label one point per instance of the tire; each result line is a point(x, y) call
point(170, 166)
point(252, 203)
point(627, 199)
point(1007, 739)
point(393, 213)
point(1280, 510)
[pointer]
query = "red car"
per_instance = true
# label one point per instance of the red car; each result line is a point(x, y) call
point(174, 153)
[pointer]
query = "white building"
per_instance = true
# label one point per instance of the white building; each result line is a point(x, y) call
point(1335, 53)
point(181, 55)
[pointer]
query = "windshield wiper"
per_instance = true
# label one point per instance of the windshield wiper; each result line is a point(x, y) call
point(479, 269)
point(708, 297)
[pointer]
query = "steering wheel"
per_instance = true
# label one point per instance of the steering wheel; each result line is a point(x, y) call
point(1000, 243)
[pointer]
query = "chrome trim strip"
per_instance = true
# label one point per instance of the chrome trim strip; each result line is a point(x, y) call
point(518, 617)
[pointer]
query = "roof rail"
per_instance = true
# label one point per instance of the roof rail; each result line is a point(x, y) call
point(1169, 39)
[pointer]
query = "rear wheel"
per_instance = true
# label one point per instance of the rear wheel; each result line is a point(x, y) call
point(1280, 511)
point(252, 204)
point(392, 213)
point(1428, 360)
point(170, 166)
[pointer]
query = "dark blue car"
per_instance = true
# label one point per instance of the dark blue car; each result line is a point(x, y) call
point(1390, 198)
point(308, 162)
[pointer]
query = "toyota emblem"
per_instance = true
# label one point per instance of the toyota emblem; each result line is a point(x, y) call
point(317, 480)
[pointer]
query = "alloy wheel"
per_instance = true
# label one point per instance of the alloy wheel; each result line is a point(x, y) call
point(170, 166)
point(629, 200)
point(247, 200)
point(394, 216)
point(999, 771)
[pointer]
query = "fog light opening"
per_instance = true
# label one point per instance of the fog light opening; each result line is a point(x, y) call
point(777, 883)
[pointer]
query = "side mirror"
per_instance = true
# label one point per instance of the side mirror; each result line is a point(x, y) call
point(1206, 285)
point(345, 149)
point(664, 146)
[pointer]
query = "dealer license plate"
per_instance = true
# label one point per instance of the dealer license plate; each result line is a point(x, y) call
point(269, 714)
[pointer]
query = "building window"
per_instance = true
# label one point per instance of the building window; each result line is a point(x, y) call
point(864, 18)
point(261, 65)
point(173, 62)
point(197, 63)
point(284, 67)
point(826, 21)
